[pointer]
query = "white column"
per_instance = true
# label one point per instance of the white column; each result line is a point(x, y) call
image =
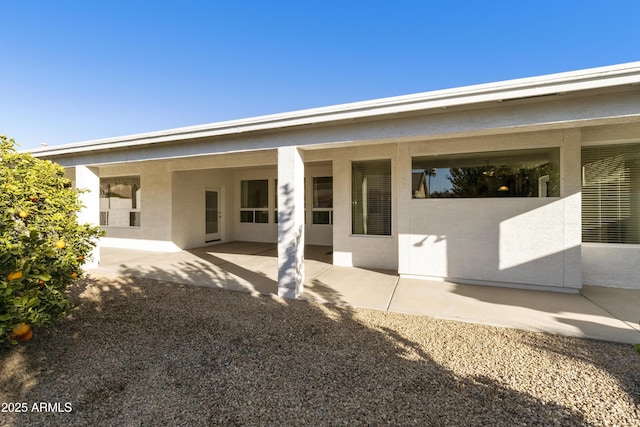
point(290, 222)
point(571, 191)
point(403, 200)
point(88, 178)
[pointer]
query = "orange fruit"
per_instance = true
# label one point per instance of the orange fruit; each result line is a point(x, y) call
point(26, 337)
point(16, 275)
point(74, 275)
point(23, 214)
point(20, 329)
point(60, 244)
point(80, 257)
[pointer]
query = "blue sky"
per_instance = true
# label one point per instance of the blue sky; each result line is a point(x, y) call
point(76, 70)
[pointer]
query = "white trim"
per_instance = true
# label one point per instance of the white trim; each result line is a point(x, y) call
point(611, 245)
point(207, 237)
point(552, 84)
point(610, 142)
point(139, 244)
point(492, 283)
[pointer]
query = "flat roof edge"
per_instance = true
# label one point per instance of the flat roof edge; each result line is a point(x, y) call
point(593, 78)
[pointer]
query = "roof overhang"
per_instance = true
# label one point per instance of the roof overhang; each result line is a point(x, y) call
point(593, 79)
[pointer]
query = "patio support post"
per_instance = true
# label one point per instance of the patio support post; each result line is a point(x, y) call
point(89, 178)
point(290, 222)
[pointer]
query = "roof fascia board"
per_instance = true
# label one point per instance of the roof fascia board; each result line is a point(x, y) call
point(561, 83)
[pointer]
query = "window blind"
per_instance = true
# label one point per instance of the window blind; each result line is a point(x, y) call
point(371, 197)
point(611, 193)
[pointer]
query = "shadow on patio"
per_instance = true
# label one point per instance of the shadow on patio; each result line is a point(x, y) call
point(253, 267)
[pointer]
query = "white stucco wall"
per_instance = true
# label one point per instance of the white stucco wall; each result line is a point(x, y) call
point(155, 207)
point(172, 200)
point(492, 240)
point(355, 250)
point(611, 265)
point(514, 241)
point(88, 179)
point(252, 232)
point(316, 234)
point(188, 218)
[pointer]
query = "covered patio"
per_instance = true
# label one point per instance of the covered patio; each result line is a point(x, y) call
point(596, 313)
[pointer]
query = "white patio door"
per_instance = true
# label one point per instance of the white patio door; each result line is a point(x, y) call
point(213, 215)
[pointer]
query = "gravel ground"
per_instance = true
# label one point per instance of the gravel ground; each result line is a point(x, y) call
point(143, 352)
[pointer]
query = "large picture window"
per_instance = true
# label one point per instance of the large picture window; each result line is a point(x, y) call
point(371, 197)
point(254, 201)
point(611, 194)
point(120, 201)
point(522, 173)
point(322, 210)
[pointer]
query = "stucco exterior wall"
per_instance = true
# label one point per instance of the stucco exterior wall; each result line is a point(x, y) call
point(519, 241)
point(515, 241)
point(188, 225)
point(251, 232)
point(611, 265)
point(172, 200)
point(355, 250)
point(314, 234)
point(155, 203)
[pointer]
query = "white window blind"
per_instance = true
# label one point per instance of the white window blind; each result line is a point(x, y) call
point(371, 197)
point(611, 193)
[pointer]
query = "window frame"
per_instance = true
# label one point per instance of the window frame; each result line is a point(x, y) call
point(315, 209)
point(254, 211)
point(134, 213)
point(633, 196)
point(384, 204)
point(502, 177)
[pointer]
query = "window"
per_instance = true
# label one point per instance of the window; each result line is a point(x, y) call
point(275, 202)
point(611, 194)
point(371, 197)
point(522, 173)
point(322, 211)
point(120, 201)
point(254, 201)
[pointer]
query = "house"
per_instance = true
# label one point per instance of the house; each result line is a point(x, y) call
point(531, 183)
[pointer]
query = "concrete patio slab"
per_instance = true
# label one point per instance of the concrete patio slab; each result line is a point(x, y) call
point(621, 303)
point(352, 286)
point(556, 313)
point(186, 267)
point(598, 313)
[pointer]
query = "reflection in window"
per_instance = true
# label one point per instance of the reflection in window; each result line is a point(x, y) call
point(611, 194)
point(254, 201)
point(522, 173)
point(120, 201)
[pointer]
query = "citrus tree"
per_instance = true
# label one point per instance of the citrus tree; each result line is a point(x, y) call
point(42, 246)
